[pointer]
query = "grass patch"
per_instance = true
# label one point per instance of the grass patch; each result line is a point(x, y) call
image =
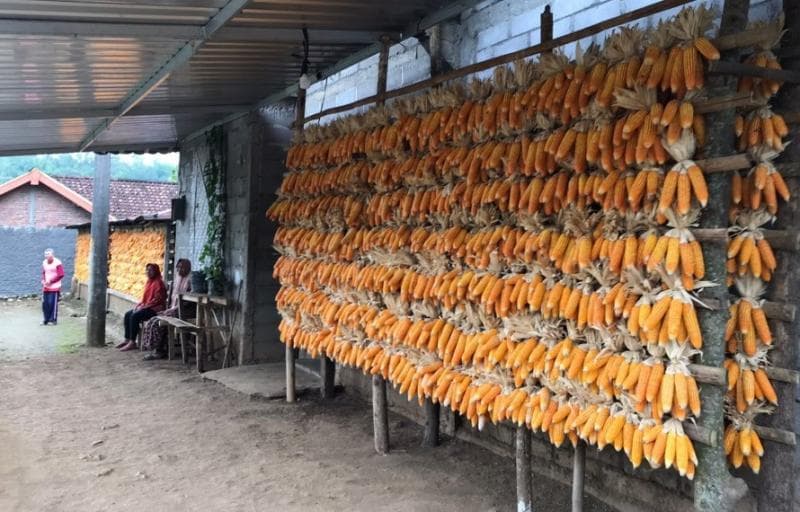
point(70, 337)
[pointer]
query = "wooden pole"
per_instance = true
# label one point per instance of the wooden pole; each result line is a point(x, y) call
point(522, 438)
point(712, 471)
point(430, 437)
point(578, 470)
point(380, 407)
point(291, 354)
point(327, 373)
point(98, 262)
point(380, 415)
point(291, 395)
point(546, 24)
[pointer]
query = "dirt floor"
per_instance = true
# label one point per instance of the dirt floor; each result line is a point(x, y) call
point(96, 430)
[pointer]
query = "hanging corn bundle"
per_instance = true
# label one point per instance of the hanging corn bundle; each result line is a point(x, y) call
point(741, 442)
point(763, 57)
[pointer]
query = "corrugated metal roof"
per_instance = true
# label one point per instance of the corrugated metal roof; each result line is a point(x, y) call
point(69, 66)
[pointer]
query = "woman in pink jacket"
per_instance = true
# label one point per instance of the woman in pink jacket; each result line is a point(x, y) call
point(52, 274)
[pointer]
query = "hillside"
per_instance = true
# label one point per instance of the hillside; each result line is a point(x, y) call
point(130, 167)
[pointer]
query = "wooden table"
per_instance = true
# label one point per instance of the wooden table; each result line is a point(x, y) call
point(212, 316)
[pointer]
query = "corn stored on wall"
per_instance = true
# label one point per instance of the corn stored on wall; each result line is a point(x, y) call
point(130, 248)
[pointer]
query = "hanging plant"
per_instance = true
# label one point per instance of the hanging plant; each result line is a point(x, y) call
point(212, 254)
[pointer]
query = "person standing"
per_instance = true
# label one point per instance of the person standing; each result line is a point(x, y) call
point(52, 275)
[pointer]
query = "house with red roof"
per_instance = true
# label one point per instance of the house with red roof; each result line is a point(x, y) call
point(35, 207)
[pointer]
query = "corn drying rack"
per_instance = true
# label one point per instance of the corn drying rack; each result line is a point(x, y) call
point(712, 232)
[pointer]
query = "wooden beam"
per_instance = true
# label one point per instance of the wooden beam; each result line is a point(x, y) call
point(709, 374)
point(783, 239)
point(723, 67)
point(777, 435)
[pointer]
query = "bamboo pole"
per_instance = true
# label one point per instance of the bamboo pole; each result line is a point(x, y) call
point(380, 407)
point(712, 471)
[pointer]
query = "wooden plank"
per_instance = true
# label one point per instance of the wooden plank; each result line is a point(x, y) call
point(777, 435)
point(725, 163)
point(783, 375)
point(721, 67)
point(716, 104)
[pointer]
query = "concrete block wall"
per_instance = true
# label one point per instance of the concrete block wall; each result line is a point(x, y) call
point(255, 152)
point(21, 255)
point(271, 137)
point(408, 63)
point(190, 234)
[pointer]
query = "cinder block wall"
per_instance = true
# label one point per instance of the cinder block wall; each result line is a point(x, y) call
point(255, 148)
point(21, 255)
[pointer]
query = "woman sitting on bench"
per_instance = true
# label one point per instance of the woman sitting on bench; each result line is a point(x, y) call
point(154, 300)
point(154, 335)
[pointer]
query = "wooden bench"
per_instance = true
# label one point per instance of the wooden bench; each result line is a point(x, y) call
point(181, 328)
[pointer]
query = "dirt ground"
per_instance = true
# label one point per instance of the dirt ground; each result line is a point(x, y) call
point(97, 430)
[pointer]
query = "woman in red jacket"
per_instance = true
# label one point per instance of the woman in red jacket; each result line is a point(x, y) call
point(154, 301)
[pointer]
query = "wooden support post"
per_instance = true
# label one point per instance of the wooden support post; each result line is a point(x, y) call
point(712, 472)
point(524, 477)
point(98, 263)
point(546, 24)
point(430, 437)
point(327, 373)
point(380, 407)
point(291, 352)
point(291, 396)
point(380, 415)
point(578, 471)
point(778, 475)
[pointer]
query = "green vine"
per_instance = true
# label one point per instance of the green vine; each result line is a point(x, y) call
point(212, 254)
